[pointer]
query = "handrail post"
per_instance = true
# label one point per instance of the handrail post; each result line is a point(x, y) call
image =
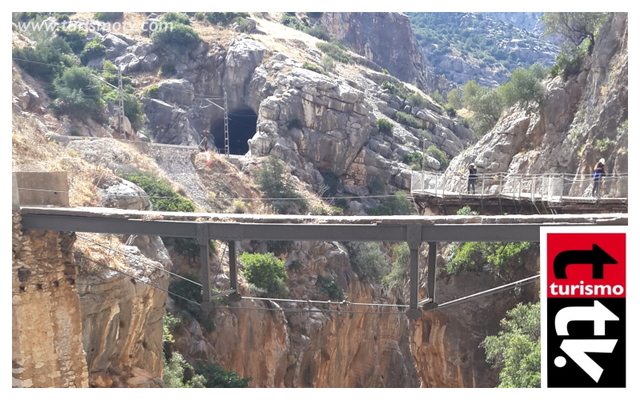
point(520, 187)
point(533, 188)
point(482, 190)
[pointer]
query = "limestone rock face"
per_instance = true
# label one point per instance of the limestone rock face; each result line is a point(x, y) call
point(327, 120)
point(243, 57)
point(309, 348)
point(383, 38)
point(122, 320)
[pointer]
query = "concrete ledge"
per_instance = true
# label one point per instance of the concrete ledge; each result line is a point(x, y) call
point(42, 189)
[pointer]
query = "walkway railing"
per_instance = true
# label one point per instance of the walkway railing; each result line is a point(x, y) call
point(551, 187)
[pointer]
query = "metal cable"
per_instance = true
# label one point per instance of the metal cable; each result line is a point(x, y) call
point(487, 292)
point(138, 280)
point(139, 260)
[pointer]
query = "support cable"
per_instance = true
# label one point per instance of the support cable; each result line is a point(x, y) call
point(139, 260)
point(133, 277)
point(488, 292)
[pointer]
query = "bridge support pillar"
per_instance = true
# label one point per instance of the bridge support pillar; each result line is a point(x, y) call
point(431, 271)
point(414, 238)
point(205, 275)
point(233, 272)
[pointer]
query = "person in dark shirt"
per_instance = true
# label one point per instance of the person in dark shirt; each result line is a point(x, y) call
point(204, 143)
point(473, 175)
point(598, 174)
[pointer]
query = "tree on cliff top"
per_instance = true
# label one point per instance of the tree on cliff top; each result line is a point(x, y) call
point(574, 27)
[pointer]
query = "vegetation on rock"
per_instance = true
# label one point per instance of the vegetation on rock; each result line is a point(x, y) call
point(516, 348)
point(267, 273)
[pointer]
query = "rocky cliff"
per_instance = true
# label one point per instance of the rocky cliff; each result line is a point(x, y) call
point(583, 119)
point(317, 122)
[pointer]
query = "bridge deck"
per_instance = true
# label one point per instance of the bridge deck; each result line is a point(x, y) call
point(232, 227)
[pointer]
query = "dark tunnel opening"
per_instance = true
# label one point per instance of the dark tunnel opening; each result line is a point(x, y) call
point(242, 127)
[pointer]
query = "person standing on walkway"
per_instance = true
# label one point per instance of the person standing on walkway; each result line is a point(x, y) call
point(598, 175)
point(473, 175)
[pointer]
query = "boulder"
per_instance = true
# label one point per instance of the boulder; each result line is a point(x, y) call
point(115, 46)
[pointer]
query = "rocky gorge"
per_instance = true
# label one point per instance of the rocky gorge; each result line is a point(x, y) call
point(317, 122)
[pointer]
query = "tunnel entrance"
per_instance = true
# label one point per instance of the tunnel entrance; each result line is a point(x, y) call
point(242, 127)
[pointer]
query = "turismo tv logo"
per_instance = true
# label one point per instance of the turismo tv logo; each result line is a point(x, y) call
point(586, 309)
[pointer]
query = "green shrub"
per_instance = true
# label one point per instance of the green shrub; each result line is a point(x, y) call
point(78, 94)
point(453, 99)
point(329, 286)
point(450, 110)
point(397, 89)
point(317, 32)
point(524, 88)
point(274, 183)
point(416, 100)
point(399, 267)
point(199, 16)
point(243, 24)
point(516, 349)
point(167, 69)
point(75, 38)
point(568, 62)
point(174, 376)
point(181, 291)
point(436, 153)
point(367, 260)
point(151, 92)
point(181, 38)
point(408, 119)
point(312, 67)
point(335, 50)
point(108, 16)
point(266, 272)
point(376, 186)
point(180, 18)
point(398, 204)
point(413, 159)
point(132, 106)
point(216, 377)
point(190, 248)
point(328, 64)
point(291, 21)
point(332, 180)
point(161, 196)
point(224, 18)
point(93, 49)
point(46, 61)
point(466, 210)
point(384, 126)
point(279, 246)
point(500, 258)
point(487, 108)
point(336, 211)
point(437, 97)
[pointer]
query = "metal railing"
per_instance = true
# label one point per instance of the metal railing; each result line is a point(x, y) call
point(550, 187)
